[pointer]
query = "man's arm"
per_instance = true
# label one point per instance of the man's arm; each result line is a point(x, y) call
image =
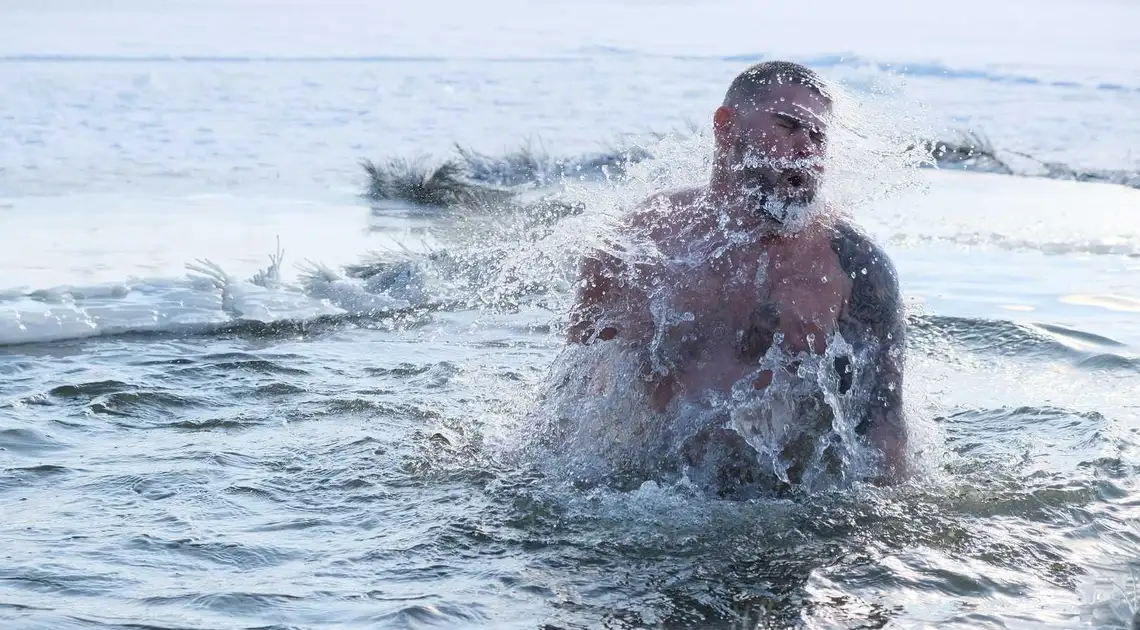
point(611, 298)
point(602, 285)
point(874, 315)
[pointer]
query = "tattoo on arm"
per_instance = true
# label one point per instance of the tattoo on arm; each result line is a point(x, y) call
point(874, 318)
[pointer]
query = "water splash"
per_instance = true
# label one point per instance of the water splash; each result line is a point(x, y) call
point(597, 418)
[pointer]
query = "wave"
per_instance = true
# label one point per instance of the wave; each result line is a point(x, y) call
point(209, 302)
point(1026, 340)
point(283, 327)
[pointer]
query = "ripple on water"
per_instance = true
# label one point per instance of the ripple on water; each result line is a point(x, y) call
point(53, 579)
point(210, 424)
point(90, 390)
point(128, 401)
point(244, 604)
point(435, 614)
point(277, 390)
point(31, 476)
point(231, 459)
point(26, 441)
point(388, 502)
point(1061, 435)
point(146, 405)
point(152, 486)
point(400, 370)
point(1025, 341)
point(214, 366)
point(229, 554)
point(291, 525)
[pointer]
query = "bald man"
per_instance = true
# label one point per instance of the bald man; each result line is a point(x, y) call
point(751, 276)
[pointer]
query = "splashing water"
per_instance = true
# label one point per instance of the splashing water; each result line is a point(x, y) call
point(351, 454)
point(729, 435)
point(597, 417)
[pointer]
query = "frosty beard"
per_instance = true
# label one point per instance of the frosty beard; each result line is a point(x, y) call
point(784, 193)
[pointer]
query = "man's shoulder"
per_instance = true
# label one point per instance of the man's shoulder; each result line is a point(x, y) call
point(677, 197)
point(875, 296)
point(859, 254)
point(654, 220)
point(665, 204)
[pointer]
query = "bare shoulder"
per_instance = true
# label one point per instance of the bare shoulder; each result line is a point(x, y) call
point(610, 281)
point(672, 199)
point(660, 213)
point(875, 299)
point(851, 244)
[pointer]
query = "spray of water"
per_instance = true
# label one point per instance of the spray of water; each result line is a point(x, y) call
point(594, 420)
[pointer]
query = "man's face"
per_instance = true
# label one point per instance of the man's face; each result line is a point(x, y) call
point(774, 147)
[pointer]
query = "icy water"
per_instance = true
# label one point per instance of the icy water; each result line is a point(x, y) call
point(185, 448)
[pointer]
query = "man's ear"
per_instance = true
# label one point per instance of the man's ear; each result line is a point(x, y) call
point(722, 121)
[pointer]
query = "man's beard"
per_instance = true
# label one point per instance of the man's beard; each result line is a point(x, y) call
point(781, 194)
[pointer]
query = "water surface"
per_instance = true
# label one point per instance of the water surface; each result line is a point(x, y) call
point(187, 449)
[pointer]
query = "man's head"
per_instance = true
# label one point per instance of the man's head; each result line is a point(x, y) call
point(771, 133)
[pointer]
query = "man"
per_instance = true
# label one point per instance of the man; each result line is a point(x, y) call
point(750, 278)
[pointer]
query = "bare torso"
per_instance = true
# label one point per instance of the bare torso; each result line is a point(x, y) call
point(707, 306)
point(716, 301)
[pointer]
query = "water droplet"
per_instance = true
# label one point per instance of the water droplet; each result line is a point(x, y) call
point(864, 271)
point(823, 279)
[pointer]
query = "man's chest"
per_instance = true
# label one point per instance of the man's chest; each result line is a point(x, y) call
point(742, 300)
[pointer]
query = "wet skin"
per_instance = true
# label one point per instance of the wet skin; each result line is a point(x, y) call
point(731, 280)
